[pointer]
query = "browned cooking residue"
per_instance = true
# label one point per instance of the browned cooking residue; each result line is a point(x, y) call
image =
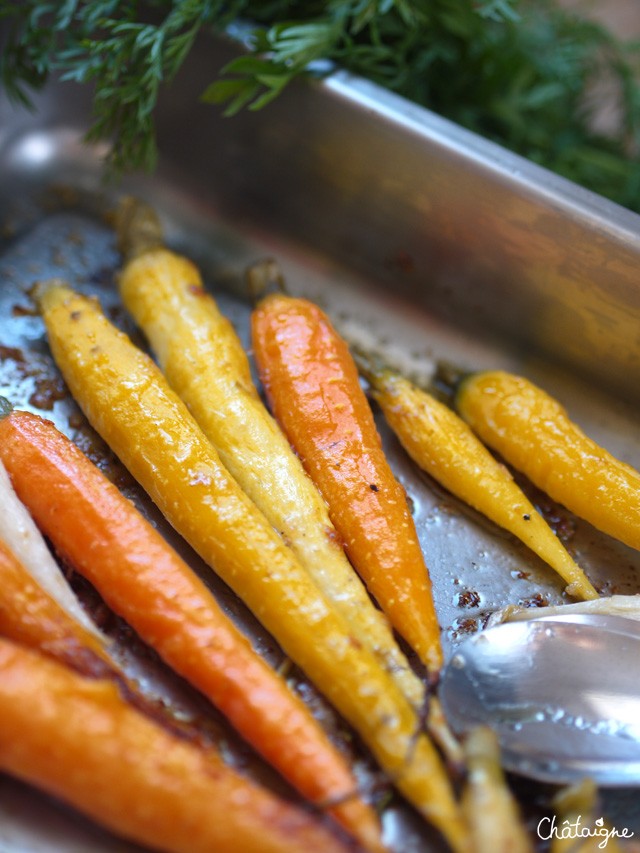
point(12, 354)
point(537, 600)
point(468, 598)
point(463, 627)
point(92, 445)
point(76, 420)
point(48, 391)
point(562, 522)
point(18, 310)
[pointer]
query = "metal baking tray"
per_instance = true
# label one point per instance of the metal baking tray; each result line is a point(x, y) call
point(423, 241)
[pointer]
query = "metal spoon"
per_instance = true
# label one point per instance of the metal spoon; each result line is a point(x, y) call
point(562, 694)
point(608, 622)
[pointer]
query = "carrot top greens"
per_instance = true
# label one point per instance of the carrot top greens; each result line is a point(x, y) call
point(516, 71)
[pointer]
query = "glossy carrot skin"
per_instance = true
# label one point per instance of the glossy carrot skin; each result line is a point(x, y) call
point(534, 433)
point(129, 403)
point(19, 533)
point(313, 387)
point(204, 361)
point(442, 444)
point(77, 739)
point(28, 615)
point(491, 809)
point(106, 539)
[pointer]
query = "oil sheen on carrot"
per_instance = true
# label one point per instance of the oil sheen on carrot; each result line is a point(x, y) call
point(534, 433)
point(106, 539)
point(313, 387)
point(444, 446)
point(78, 740)
point(128, 401)
point(205, 363)
point(30, 616)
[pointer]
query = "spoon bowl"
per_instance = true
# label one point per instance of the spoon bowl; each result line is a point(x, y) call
point(562, 695)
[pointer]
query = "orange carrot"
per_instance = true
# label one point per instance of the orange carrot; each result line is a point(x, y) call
point(129, 403)
point(78, 740)
point(312, 385)
point(33, 618)
point(142, 578)
point(20, 534)
point(30, 616)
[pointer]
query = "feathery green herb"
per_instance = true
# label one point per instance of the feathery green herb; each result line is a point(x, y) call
point(519, 72)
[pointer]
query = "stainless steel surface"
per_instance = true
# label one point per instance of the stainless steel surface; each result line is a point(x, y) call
point(562, 696)
point(612, 624)
point(420, 239)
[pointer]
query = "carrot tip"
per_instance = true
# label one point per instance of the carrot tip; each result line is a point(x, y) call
point(265, 277)
point(41, 288)
point(138, 228)
point(5, 407)
point(448, 379)
point(371, 365)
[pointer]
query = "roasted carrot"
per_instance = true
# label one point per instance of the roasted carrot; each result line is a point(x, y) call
point(33, 617)
point(442, 444)
point(576, 806)
point(106, 539)
point(534, 433)
point(30, 616)
point(312, 384)
point(490, 807)
point(128, 402)
point(204, 362)
point(19, 532)
point(77, 739)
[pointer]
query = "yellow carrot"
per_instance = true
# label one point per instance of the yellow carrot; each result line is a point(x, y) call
point(574, 827)
point(533, 432)
point(204, 362)
point(445, 447)
point(490, 807)
point(103, 536)
point(129, 403)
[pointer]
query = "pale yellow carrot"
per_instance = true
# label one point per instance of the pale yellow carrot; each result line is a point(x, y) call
point(129, 403)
